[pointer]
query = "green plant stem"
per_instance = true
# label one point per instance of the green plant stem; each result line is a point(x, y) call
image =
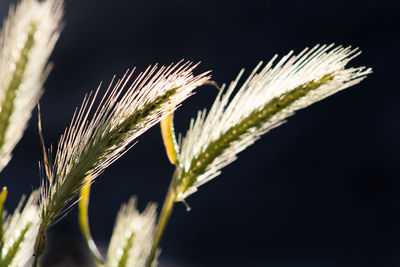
point(35, 261)
point(3, 197)
point(39, 246)
point(83, 219)
point(169, 138)
point(166, 212)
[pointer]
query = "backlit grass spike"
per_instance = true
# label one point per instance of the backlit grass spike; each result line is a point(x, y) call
point(26, 42)
point(20, 233)
point(98, 136)
point(132, 237)
point(268, 96)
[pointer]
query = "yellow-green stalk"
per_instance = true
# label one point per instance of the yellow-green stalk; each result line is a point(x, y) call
point(83, 219)
point(169, 139)
point(3, 197)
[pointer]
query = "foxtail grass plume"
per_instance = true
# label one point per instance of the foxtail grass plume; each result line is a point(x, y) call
point(132, 237)
point(266, 98)
point(126, 111)
point(26, 42)
point(20, 232)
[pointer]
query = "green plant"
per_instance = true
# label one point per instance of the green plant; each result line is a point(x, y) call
point(98, 136)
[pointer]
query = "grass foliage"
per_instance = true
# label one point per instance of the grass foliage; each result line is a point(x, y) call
point(99, 134)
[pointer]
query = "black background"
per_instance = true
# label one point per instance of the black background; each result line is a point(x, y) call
point(321, 190)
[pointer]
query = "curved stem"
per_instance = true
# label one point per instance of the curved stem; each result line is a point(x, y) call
point(169, 138)
point(166, 212)
point(3, 196)
point(83, 219)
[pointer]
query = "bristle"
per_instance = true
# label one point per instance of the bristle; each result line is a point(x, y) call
point(126, 111)
point(132, 236)
point(266, 98)
point(27, 40)
point(19, 236)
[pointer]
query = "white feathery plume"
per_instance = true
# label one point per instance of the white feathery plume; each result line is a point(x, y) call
point(132, 236)
point(20, 232)
point(266, 98)
point(126, 111)
point(26, 42)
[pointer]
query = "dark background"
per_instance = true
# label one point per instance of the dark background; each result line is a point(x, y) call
point(321, 190)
